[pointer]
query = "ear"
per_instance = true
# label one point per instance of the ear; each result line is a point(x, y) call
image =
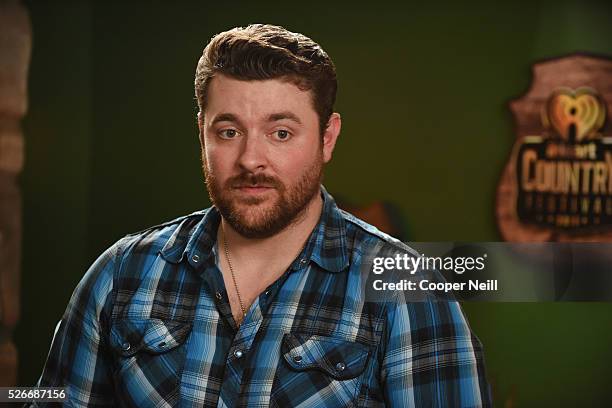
point(330, 136)
point(201, 127)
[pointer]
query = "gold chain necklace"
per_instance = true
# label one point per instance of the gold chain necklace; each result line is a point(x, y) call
point(229, 262)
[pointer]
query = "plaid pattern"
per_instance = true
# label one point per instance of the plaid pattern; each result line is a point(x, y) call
point(150, 325)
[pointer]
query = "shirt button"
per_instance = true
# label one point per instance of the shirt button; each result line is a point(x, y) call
point(218, 295)
point(340, 366)
point(297, 359)
point(126, 346)
point(267, 292)
point(303, 261)
point(238, 353)
point(195, 258)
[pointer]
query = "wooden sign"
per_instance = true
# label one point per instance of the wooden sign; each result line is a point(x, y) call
point(557, 183)
point(15, 46)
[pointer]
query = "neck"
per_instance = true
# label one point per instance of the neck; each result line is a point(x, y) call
point(291, 239)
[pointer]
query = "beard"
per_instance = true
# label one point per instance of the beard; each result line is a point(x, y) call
point(262, 217)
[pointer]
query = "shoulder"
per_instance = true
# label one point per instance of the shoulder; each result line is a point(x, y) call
point(366, 237)
point(155, 238)
point(139, 248)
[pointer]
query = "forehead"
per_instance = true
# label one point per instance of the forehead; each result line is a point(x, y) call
point(257, 98)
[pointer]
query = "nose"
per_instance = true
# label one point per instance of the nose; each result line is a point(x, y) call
point(253, 154)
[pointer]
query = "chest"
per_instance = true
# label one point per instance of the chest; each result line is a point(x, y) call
point(309, 337)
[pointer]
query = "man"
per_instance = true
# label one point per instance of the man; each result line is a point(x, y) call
point(260, 300)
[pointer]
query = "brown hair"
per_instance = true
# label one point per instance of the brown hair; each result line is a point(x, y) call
point(263, 51)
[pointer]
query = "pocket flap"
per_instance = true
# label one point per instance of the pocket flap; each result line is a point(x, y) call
point(338, 358)
point(154, 336)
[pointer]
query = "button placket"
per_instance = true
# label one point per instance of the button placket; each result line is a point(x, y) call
point(238, 353)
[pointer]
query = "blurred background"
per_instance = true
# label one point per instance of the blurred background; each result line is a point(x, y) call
point(111, 147)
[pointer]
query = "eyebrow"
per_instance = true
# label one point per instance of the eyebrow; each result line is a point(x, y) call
point(225, 117)
point(284, 115)
point(274, 117)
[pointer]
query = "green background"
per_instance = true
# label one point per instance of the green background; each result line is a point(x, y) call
point(111, 147)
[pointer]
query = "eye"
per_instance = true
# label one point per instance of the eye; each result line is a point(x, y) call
point(282, 134)
point(228, 133)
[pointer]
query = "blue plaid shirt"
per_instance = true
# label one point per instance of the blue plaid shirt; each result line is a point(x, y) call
point(150, 325)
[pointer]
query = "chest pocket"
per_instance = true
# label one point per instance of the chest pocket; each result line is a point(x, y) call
point(318, 371)
point(149, 359)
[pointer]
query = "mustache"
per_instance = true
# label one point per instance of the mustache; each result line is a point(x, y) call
point(251, 180)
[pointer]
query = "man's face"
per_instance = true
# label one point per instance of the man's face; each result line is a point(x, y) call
point(262, 152)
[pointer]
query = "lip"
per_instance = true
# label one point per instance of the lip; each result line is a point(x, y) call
point(253, 189)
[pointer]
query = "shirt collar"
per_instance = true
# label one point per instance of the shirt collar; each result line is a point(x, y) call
point(326, 246)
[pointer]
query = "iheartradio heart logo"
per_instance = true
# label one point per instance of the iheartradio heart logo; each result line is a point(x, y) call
point(576, 115)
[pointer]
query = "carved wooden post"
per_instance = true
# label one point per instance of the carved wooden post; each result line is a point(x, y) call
point(15, 44)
